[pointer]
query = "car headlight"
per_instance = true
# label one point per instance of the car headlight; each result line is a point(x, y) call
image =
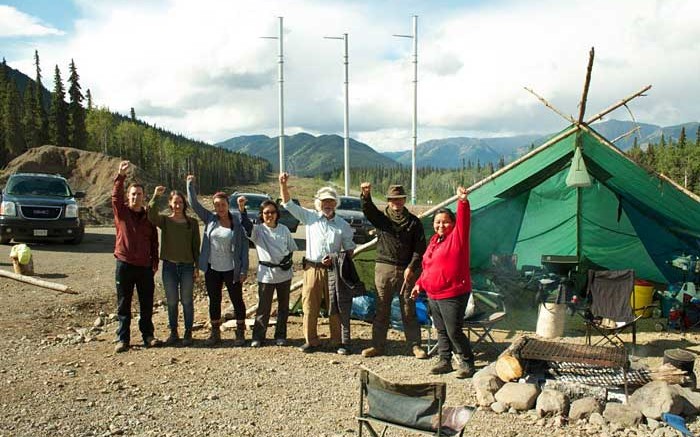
point(71, 211)
point(8, 208)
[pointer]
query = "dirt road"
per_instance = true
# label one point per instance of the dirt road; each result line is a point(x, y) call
point(54, 383)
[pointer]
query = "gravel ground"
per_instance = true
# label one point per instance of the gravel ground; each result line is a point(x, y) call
point(59, 377)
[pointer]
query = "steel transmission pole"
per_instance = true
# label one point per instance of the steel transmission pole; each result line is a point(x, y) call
point(346, 118)
point(415, 106)
point(280, 80)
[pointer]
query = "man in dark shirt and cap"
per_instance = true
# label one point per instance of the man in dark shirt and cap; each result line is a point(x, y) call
point(400, 247)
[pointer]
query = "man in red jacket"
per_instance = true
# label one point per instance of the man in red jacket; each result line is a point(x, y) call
point(136, 251)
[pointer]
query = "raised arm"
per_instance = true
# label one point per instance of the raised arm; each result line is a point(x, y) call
point(118, 205)
point(245, 220)
point(197, 207)
point(284, 189)
point(373, 214)
point(463, 216)
point(153, 216)
point(305, 216)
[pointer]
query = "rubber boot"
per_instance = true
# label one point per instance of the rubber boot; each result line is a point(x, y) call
point(240, 334)
point(215, 334)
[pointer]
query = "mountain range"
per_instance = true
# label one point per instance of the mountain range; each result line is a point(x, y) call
point(311, 155)
point(307, 154)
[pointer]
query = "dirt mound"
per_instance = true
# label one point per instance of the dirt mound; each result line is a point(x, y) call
point(91, 172)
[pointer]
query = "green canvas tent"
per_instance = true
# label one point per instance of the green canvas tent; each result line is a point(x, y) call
point(628, 218)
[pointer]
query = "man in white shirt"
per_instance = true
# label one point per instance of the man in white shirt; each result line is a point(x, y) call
point(326, 234)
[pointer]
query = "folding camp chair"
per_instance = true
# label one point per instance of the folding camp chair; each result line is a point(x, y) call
point(412, 407)
point(482, 322)
point(611, 294)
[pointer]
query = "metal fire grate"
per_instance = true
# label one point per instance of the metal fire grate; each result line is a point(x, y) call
point(551, 351)
point(598, 376)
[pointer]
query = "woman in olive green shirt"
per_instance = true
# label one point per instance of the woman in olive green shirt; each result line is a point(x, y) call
point(179, 250)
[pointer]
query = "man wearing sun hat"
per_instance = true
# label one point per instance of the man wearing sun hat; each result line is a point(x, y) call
point(400, 247)
point(326, 235)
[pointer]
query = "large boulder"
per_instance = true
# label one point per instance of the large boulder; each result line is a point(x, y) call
point(552, 403)
point(622, 414)
point(486, 383)
point(658, 397)
point(518, 396)
point(584, 408)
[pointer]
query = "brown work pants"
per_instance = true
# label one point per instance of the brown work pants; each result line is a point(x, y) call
point(389, 280)
point(313, 294)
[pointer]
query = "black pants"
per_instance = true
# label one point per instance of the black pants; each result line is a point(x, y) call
point(214, 281)
point(126, 277)
point(448, 318)
point(262, 315)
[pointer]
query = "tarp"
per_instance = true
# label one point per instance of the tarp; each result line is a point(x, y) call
point(628, 218)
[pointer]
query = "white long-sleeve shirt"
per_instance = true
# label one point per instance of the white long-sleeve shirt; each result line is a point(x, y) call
point(323, 236)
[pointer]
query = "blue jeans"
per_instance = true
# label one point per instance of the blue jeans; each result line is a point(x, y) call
point(178, 281)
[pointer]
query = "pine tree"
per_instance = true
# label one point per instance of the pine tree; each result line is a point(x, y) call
point(3, 86)
point(77, 134)
point(14, 140)
point(697, 137)
point(58, 116)
point(133, 114)
point(88, 99)
point(29, 127)
point(682, 139)
point(41, 119)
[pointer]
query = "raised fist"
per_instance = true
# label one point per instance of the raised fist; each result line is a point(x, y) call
point(190, 178)
point(462, 193)
point(241, 203)
point(283, 178)
point(123, 167)
point(365, 188)
point(159, 191)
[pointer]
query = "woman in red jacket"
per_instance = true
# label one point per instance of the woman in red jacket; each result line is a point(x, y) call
point(447, 281)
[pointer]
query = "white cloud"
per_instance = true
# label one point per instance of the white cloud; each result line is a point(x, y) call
point(200, 68)
point(14, 23)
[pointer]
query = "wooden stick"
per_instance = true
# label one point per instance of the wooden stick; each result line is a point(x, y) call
point(586, 85)
point(38, 282)
point(625, 134)
point(613, 107)
point(568, 118)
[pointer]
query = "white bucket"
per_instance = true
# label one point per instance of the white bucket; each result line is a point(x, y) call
point(550, 320)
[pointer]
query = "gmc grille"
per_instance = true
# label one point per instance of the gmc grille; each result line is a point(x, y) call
point(41, 212)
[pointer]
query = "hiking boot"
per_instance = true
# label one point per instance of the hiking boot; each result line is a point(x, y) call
point(152, 341)
point(214, 336)
point(281, 342)
point(240, 337)
point(465, 370)
point(344, 349)
point(419, 352)
point(121, 346)
point(173, 338)
point(255, 343)
point(443, 366)
point(187, 339)
point(372, 352)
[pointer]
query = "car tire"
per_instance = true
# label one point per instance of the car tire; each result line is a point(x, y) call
point(5, 239)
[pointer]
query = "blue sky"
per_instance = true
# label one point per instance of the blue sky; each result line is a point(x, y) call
point(200, 68)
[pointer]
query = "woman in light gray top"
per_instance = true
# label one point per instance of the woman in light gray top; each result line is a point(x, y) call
point(275, 246)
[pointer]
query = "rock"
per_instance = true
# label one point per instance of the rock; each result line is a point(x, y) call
point(486, 383)
point(656, 398)
point(519, 396)
point(552, 403)
point(583, 408)
point(98, 322)
point(625, 415)
point(113, 317)
point(653, 424)
point(597, 419)
point(498, 407)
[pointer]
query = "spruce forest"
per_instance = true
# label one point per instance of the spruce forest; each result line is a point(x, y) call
point(28, 119)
